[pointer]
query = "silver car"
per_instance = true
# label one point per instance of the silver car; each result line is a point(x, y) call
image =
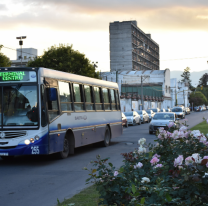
point(162, 120)
point(133, 118)
point(179, 111)
point(144, 116)
point(150, 113)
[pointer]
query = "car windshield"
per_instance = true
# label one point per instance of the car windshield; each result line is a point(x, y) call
point(148, 111)
point(19, 105)
point(176, 110)
point(160, 116)
point(139, 112)
point(128, 113)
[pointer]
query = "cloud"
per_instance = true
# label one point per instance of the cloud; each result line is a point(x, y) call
point(3, 7)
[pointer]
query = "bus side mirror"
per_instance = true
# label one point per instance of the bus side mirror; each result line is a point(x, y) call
point(52, 94)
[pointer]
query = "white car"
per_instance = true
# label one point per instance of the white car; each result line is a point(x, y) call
point(133, 118)
point(144, 116)
point(162, 120)
point(179, 111)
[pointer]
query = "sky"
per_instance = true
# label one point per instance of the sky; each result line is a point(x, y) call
point(180, 27)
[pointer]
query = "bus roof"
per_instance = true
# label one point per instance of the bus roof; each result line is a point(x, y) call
point(50, 73)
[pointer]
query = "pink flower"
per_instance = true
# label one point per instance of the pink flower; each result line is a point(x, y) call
point(156, 155)
point(183, 128)
point(186, 134)
point(115, 173)
point(171, 124)
point(154, 160)
point(178, 160)
point(161, 129)
point(169, 134)
point(175, 134)
point(158, 165)
point(189, 160)
point(207, 164)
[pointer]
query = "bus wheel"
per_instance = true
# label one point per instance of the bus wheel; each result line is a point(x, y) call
point(65, 153)
point(7, 158)
point(106, 141)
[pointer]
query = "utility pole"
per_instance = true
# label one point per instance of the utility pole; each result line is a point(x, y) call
point(184, 99)
point(142, 80)
point(21, 43)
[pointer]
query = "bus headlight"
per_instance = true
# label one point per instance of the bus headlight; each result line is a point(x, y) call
point(27, 141)
point(37, 137)
point(32, 140)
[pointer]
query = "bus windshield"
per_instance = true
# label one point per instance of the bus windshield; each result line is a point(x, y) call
point(19, 105)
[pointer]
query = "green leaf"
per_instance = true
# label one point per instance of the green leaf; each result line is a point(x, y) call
point(142, 200)
point(168, 197)
point(133, 188)
point(110, 164)
point(94, 170)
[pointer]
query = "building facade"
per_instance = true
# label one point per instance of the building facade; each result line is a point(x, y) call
point(154, 84)
point(26, 54)
point(132, 49)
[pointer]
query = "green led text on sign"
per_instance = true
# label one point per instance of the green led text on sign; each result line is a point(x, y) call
point(12, 76)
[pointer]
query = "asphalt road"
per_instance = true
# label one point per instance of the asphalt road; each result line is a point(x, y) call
point(40, 180)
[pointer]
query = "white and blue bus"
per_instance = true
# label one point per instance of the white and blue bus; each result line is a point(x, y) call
point(44, 111)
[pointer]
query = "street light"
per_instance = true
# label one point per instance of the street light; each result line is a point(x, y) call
point(21, 43)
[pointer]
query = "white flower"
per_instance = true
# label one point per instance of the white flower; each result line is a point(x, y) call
point(183, 128)
point(196, 133)
point(141, 141)
point(138, 165)
point(115, 173)
point(145, 180)
point(141, 150)
point(197, 158)
point(203, 139)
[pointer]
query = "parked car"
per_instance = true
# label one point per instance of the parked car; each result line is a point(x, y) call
point(156, 110)
point(162, 120)
point(196, 109)
point(203, 108)
point(124, 120)
point(162, 110)
point(168, 110)
point(144, 116)
point(180, 113)
point(150, 113)
point(187, 110)
point(133, 118)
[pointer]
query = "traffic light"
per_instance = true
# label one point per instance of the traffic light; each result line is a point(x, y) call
point(201, 87)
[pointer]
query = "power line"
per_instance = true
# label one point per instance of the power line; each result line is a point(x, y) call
point(16, 50)
point(184, 58)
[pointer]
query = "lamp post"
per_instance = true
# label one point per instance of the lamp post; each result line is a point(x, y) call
point(21, 43)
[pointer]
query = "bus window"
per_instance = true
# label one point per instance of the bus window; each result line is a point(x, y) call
point(106, 99)
point(88, 97)
point(113, 100)
point(117, 100)
point(78, 98)
point(65, 96)
point(98, 99)
point(43, 109)
point(53, 110)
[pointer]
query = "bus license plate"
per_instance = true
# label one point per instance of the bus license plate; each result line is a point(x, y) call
point(4, 154)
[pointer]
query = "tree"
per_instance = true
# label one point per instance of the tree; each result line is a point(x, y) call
point(203, 80)
point(4, 60)
point(197, 98)
point(64, 58)
point(186, 77)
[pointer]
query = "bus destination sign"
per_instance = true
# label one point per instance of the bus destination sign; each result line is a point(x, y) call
point(14, 76)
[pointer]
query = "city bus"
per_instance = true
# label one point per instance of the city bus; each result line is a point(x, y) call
point(45, 111)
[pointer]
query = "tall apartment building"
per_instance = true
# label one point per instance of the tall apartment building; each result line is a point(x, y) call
point(132, 49)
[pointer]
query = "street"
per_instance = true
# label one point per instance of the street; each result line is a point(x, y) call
point(40, 180)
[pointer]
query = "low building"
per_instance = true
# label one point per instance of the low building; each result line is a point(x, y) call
point(26, 54)
point(154, 84)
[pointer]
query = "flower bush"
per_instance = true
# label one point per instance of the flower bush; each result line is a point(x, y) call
point(173, 172)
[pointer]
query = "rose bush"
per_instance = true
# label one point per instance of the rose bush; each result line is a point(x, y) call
point(173, 172)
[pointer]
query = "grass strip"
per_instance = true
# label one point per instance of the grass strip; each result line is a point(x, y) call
point(202, 127)
point(87, 197)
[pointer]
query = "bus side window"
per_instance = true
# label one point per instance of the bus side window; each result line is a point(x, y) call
point(106, 99)
point(117, 100)
point(65, 96)
point(98, 98)
point(113, 100)
point(53, 110)
point(88, 98)
point(78, 97)
point(43, 108)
